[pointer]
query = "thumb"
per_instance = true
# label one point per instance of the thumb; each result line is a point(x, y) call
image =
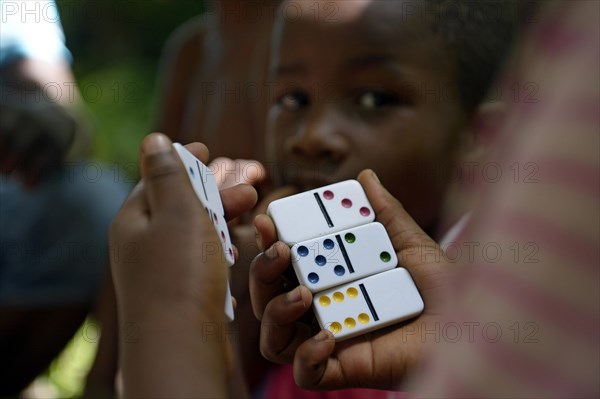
point(416, 251)
point(165, 180)
point(281, 192)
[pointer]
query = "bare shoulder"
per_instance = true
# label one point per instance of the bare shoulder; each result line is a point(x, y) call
point(186, 41)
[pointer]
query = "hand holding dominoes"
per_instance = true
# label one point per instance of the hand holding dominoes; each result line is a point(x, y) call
point(350, 265)
point(163, 243)
point(380, 357)
point(168, 286)
point(207, 191)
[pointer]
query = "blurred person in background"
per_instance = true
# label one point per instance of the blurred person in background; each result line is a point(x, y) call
point(213, 89)
point(55, 207)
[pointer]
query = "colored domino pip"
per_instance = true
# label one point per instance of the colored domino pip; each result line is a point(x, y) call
point(339, 258)
point(322, 211)
point(369, 304)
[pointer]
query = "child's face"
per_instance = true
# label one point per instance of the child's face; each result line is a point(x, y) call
point(371, 90)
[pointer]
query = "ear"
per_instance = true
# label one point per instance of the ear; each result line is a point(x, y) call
point(483, 130)
point(476, 143)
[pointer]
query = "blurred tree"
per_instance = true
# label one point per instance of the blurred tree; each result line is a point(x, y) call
point(100, 32)
point(116, 47)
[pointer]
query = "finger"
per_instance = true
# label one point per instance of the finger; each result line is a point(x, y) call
point(266, 233)
point(238, 200)
point(416, 251)
point(229, 172)
point(265, 276)
point(388, 209)
point(219, 166)
point(313, 361)
point(253, 172)
point(166, 183)
point(280, 332)
point(199, 150)
point(274, 195)
point(236, 253)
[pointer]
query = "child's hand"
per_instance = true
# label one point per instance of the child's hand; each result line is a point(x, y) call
point(379, 359)
point(163, 237)
point(170, 279)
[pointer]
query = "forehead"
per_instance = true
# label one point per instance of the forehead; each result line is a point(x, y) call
point(308, 30)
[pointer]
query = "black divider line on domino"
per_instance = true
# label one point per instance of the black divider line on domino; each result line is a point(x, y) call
point(369, 303)
point(344, 253)
point(202, 180)
point(323, 210)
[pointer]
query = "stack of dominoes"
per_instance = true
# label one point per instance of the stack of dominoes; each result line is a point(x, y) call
point(345, 259)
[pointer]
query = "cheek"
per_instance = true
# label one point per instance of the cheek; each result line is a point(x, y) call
point(410, 143)
point(277, 134)
point(415, 182)
point(411, 165)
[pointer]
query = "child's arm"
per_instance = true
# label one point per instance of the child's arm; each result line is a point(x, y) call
point(377, 360)
point(180, 63)
point(170, 291)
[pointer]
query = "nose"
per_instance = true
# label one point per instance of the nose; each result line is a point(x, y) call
point(323, 136)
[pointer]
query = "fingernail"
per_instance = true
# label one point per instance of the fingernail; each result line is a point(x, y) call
point(375, 177)
point(156, 143)
point(271, 253)
point(294, 295)
point(323, 335)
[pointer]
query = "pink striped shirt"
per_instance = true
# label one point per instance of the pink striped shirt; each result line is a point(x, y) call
point(527, 301)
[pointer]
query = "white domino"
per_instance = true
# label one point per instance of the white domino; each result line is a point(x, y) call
point(205, 186)
point(207, 191)
point(342, 257)
point(320, 212)
point(203, 180)
point(368, 304)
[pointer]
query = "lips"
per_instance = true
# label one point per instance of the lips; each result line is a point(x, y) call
point(307, 177)
point(305, 183)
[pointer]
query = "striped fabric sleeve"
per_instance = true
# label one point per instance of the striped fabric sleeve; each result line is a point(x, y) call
point(525, 322)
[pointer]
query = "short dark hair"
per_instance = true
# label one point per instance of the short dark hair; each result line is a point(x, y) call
point(480, 34)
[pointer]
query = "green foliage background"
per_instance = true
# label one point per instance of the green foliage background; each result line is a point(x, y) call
point(116, 47)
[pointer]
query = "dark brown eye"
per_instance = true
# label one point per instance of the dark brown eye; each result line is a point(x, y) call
point(293, 101)
point(373, 100)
